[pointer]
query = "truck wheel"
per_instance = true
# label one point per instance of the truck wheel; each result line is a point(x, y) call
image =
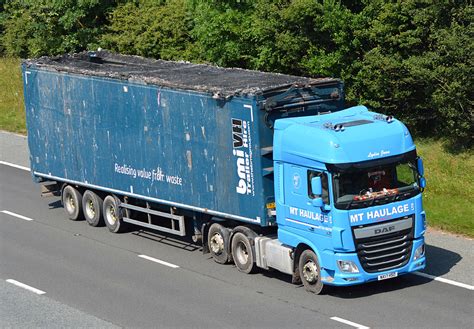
point(92, 208)
point(242, 253)
point(72, 200)
point(217, 240)
point(310, 272)
point(113, 215)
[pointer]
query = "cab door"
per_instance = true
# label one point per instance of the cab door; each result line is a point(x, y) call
point(300, 212)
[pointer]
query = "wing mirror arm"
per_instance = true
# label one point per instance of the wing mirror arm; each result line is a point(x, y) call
point(421, 173)
point(317, 189)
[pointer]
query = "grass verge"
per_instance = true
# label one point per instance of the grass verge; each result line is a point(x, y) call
point(450, 187)
point(12, 112)
point(447, 198)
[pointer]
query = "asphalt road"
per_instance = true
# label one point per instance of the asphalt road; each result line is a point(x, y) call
point(91, 272)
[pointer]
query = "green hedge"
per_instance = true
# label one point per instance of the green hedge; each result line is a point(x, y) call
point(410, 58)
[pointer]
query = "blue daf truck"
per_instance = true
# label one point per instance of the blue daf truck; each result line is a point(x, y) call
point(266, 170)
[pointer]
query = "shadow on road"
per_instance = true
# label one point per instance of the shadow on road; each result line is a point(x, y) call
point(358, 291)
point(378, 287)
point(55, 204)
point(439, 261)
point(185, 243)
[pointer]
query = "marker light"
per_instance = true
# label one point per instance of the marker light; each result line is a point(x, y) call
point(386, 118)
point(419, 252)
point(347, 266)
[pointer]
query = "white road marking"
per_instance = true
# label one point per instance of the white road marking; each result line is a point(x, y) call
point(14, 165)
point(158, 261)
point(16, 215)
point(440, 279)
point(25, 286)
point(350, 323)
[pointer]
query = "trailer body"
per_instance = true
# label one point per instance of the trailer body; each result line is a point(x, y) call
point(175, 146)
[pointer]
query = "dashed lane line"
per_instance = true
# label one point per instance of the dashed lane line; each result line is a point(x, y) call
point(25, 286)
point(440, 279)
point(349, 323)
point(14, 165)
point(162, 262)
point(16, 215)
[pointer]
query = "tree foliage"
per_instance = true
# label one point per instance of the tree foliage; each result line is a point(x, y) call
point(51, 27)
point(416, 63)
point(409, 58)
point(150, 28)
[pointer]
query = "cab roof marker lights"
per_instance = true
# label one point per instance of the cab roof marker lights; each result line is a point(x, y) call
point(336, 127)
point(386, 118)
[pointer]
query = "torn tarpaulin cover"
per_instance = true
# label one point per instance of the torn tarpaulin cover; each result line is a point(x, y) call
point(223, 82)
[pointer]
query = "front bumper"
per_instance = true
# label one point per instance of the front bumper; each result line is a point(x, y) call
point(338, 278)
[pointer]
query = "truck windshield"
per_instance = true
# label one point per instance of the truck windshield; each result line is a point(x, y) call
point(380, 184)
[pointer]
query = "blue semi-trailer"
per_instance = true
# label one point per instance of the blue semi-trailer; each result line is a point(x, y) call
point(267, 170)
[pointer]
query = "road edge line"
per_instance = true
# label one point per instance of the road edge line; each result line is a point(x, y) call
point(25, 286)
point(162, 262)
point(448, 281)
point(350, 323)
point(14, 165)
point(16, 215)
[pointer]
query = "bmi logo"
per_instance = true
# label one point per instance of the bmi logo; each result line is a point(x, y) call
point(243, 156)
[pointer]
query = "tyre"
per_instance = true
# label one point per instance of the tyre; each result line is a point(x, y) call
point(92, 208)
point(310, 272)
point(242, 253)
point(113, 215)
point(217, 241)
point(72, 203)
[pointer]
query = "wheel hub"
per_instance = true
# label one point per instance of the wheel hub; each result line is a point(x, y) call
point(242, 253)
point(111, 215)
point(217, 243)
point(310, 272)
point(72, 204)
point(90, 209)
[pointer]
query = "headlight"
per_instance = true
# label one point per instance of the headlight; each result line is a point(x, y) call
point(419, 252)
point(347, 266)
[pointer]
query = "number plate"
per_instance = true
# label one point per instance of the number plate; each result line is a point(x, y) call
point(388, 276)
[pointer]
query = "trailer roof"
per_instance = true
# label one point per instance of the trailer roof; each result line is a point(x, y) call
point(182, 75)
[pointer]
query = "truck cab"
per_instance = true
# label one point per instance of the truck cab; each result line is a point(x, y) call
point(348, 197)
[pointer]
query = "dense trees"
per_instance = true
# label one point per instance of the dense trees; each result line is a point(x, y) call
point(51, 27)
point(410, 58)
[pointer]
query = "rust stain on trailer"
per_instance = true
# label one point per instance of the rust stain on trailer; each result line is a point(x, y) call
point(189, 157)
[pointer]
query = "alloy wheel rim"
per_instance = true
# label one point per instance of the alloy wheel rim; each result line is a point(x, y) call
point(310, 272)
point(242, 253)
point(217, 243)
point(111, 217)
point(70, 203)
point(90, 209)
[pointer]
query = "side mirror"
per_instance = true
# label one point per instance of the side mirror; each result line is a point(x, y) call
point(422, 182)
point(421, 168)
point(317, 202)
point(316, 186)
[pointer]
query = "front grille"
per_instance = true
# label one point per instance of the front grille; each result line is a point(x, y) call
point(384, 252)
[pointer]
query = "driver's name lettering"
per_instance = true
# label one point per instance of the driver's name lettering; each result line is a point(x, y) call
point(384, 212)
point(377, 154)
point(310, 215)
